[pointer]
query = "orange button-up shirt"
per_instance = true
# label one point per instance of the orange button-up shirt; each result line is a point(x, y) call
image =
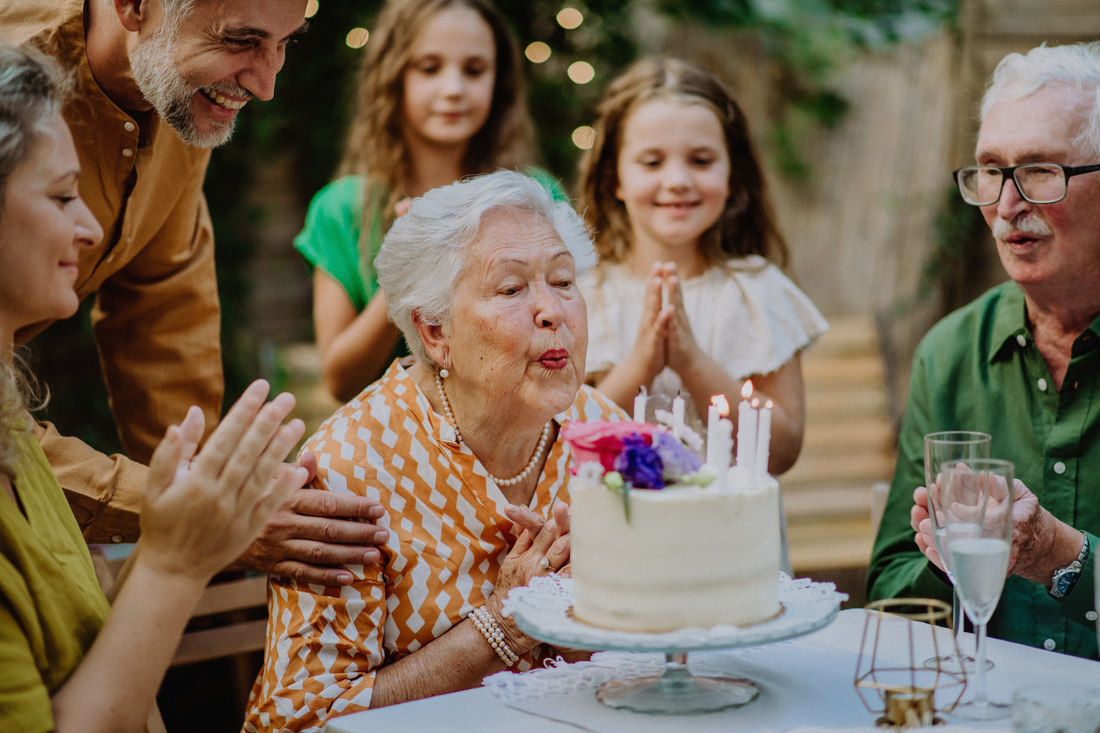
point(156, 317)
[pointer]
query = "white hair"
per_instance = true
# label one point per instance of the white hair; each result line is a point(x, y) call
point(1077, 65)
point(173, 9)
point(424, 253)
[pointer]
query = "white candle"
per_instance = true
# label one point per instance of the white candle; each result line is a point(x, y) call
point(746, 431)
point(725, 429)
point(763, 441)
point(639, 405)
point(664, 295)
point(678, 408)
point(716, 444)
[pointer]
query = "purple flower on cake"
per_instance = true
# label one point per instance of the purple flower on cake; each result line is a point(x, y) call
point(601, 441)
point(640, 464)
point(678, 460)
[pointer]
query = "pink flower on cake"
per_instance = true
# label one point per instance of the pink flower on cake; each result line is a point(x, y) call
point(602, 441)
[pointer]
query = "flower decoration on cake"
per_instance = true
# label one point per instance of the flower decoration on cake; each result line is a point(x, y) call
point(632, 455)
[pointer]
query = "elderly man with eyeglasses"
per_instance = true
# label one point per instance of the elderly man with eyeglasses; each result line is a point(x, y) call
point(1022, 362)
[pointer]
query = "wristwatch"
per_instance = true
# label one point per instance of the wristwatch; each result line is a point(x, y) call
point(1065, 578)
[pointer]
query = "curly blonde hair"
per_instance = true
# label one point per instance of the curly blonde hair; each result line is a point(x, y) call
point(376, 147)
point(748, 222)
point(32, 90)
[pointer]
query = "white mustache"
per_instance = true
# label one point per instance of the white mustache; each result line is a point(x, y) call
point(1031, 224)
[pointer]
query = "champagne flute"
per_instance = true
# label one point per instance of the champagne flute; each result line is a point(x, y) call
point(951, 446)
point(976, 500)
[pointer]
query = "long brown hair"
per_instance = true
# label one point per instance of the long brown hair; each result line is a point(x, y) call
point(376, 147)
point(747, 224)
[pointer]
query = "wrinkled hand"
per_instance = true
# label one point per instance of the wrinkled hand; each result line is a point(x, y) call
point(921, 523)
point(200, 512)
point(537, 540)
point(313, 535)
point(1030, 535)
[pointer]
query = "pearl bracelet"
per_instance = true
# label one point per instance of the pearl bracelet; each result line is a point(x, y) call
point(493, 634)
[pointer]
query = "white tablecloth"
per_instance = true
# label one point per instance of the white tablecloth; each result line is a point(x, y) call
point(804, 682)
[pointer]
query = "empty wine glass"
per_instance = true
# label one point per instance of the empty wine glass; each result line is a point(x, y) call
point(950, 446)
point(976, 500)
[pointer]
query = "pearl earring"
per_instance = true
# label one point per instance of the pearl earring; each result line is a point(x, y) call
point(444, 373)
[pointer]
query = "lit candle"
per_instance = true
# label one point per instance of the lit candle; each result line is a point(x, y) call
point(746, 430)
point(639, 405)
point(763, 441)
point(678, 407)
point(719, 408)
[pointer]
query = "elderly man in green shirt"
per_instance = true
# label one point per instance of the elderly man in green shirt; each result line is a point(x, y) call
point(1022, 362)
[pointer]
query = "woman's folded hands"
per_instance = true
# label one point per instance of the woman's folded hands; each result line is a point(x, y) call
point(541, 547)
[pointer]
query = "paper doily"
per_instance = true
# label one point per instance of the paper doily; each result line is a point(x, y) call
point(541, 609)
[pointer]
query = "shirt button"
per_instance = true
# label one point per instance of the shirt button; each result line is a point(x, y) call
point(130, 127)
point(1042, 382)
point(1049, 645)
point(1021, 340)
point(126, 153)
point(1091, 615)
point(116, 538)
point(1059, 468)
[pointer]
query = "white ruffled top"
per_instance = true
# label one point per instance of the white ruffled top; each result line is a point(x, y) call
point(748, 316)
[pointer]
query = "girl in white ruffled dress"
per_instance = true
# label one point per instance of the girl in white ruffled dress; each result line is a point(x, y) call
point(686, 298)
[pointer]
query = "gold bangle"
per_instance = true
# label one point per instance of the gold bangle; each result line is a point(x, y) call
point(487, 625)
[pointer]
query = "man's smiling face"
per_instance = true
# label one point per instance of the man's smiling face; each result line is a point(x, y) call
point(197, 71)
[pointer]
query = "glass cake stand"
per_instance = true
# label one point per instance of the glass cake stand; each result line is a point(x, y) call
point(543, 610)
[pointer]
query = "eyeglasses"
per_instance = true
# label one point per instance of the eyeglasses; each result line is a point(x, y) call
point(1038, 183)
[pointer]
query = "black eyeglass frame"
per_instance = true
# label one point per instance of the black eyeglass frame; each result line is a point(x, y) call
point(1068, 172)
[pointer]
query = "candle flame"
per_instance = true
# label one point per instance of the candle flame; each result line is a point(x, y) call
point(642, 391)
point(769, 404)
point(755, 402)
point(723, 405)
point(746, 389)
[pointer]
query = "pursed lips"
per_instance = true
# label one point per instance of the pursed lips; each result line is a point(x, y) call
point(554, 358)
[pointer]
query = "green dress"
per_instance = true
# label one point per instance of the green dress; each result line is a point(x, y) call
point(51, 605)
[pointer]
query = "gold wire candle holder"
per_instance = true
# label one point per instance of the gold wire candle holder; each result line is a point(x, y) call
point(897, 636)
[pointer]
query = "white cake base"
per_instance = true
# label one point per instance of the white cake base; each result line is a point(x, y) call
point(690, 557)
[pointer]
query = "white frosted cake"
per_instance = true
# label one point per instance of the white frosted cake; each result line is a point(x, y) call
point(689, 556)
point(660, 541)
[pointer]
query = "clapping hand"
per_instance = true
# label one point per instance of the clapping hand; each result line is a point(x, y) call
point(199, 512)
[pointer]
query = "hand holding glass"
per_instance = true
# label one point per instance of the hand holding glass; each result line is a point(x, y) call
point(976, 501)
point(951, 446)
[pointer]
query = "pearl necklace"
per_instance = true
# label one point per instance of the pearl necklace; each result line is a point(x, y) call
point(499, 481)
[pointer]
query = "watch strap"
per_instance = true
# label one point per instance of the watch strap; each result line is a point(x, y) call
point(1065, 578)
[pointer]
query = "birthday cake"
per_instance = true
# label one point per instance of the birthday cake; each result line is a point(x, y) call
point(694, 548)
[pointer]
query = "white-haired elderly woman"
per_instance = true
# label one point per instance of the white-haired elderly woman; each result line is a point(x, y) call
point(459, 442)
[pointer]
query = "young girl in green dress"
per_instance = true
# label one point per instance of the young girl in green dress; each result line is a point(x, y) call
point(441, 97)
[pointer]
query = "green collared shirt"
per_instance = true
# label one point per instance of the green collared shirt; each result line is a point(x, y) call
point(979, 369)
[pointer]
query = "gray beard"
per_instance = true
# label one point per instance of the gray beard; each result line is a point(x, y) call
point(153, 64)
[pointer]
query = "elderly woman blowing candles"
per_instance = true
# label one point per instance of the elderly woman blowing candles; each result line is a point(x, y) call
point(480, 277)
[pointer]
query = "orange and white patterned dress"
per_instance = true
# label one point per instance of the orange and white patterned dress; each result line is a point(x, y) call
point(448, 538)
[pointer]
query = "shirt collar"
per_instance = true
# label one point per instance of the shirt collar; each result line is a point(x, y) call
point(1009, 330)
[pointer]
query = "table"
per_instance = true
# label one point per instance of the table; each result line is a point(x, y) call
point(804, 682)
